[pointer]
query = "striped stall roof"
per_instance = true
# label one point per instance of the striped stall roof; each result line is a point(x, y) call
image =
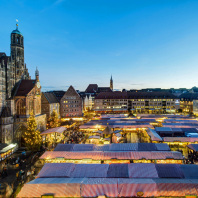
point(153, 135)
point(98, 187)
point(124, 147)
point(56, 170)
point(142, 170)
point(113, 147)
point(130, 187)
point(180, 139)
point(162, 147)
point(190, 171)
point(100, 155)
point(103, 147)
point(53, 130)
point(146, 147)
point(118, 171)
point(90, 171)
point(57, 188)
point(64, 147)
point(169, 171)
point(83, 147)
point(194, 147)
point(94, 187)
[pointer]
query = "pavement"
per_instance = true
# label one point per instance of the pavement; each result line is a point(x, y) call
point(9, 179)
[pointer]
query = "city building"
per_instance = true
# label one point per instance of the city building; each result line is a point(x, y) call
point(49, 103)
point(107, 102)
point(71, 104)
point(19, 95)
point(189, 103)
point(91, 92)
point(136, 102)
point(152, 102)
point(27, 101)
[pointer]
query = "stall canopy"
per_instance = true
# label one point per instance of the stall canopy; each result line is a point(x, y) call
point(114, 147)
point(133, 170)
point(54, 130)
point(193, 147)
point(109, 187)
point(103, 155)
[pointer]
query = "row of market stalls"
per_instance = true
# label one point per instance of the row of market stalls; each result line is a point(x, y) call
point(53, 135)
point(115, 180)
point(112, 153)
point(6, 150)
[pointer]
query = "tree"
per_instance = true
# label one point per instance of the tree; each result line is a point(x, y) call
point(54, 120)
point(32, 136)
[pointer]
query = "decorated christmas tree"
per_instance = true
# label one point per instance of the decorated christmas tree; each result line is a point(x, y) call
point(32, 136)
point(54, 120)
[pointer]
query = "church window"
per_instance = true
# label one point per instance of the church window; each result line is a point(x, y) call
point(20, 107)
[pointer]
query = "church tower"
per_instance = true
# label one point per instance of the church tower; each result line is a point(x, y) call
point(17, 53)
point(111, 83)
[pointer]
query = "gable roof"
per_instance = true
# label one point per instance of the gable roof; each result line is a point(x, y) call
point(58, 94)
point(104, 89)
point(51, 98)
point(71, 91)
point(92, 88)
point(25, 86)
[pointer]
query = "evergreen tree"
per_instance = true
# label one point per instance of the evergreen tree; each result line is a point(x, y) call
point(32, 136)
point(54, 120)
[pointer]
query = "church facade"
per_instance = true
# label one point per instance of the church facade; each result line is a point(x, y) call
point(19, 94)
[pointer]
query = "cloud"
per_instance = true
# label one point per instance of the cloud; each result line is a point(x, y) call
point(58, 2)
point(52, 88)
point(135, 84)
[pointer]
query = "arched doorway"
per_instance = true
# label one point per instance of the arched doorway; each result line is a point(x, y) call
point(18, 135)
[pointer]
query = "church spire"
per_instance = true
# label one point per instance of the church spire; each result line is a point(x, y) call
point(37, 74)
point(111, 83)
point(17, 24)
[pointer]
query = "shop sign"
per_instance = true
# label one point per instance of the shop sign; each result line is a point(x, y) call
point(47, 196)
point(191, 196)
point(60, 158)
point(140, 194)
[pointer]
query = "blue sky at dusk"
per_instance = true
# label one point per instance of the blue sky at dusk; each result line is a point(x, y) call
point(143, 44)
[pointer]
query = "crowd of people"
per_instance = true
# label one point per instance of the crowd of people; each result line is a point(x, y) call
point(74, 137)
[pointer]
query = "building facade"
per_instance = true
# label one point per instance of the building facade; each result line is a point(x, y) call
point(19, 95)
point(136, 102)
point(49, 103)
point(71, 104)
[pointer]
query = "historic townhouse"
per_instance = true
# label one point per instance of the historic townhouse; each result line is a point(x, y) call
point(71, 104)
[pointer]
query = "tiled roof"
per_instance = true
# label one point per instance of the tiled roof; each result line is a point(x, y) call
point(189, 96)
point(135, 95)
point(58, 94)
point(51, 98)
point(25, 87)
point(104, 89)
point(148, 95)
point(92, 88)
point(112, 95)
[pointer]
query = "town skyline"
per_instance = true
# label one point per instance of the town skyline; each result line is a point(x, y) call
point(70, 48)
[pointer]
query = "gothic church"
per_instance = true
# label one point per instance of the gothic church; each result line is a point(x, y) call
point(19, 95)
